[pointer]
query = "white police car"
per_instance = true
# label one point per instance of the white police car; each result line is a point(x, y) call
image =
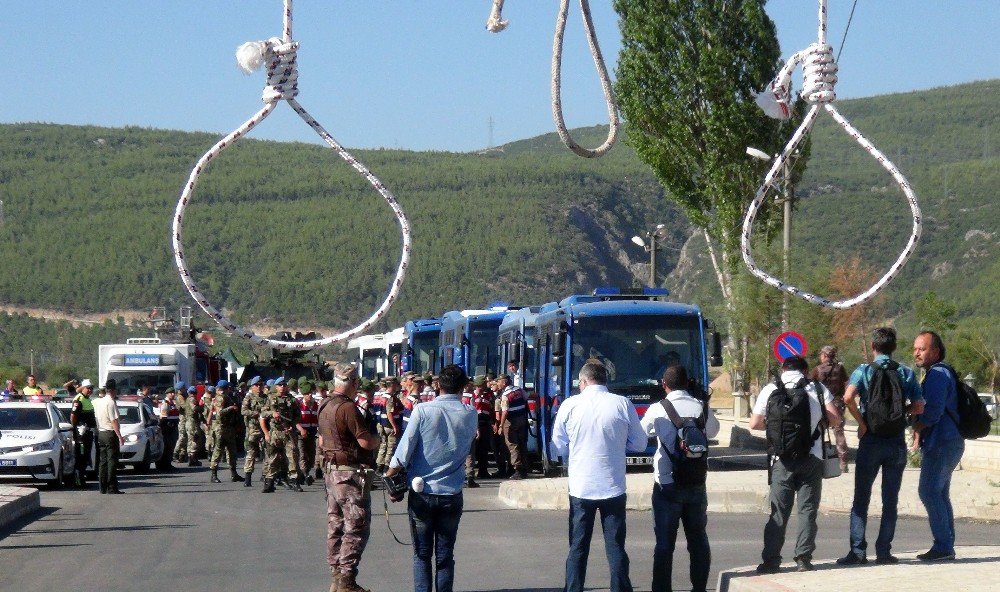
point(35, 444)
point(141, 432)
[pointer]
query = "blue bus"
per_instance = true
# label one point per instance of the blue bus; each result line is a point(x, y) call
point(420, 346)
point(634, 333)
point(516, 343)
point(469, 339)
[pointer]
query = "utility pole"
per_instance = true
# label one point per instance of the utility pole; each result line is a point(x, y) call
point(31, 363)
point(490, 143)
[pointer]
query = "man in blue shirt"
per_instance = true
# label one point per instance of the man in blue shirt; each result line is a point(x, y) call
point(885, 453)
point(433, 448)
point(940, 441)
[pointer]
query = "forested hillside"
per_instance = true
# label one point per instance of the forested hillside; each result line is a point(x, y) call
point(288, 235)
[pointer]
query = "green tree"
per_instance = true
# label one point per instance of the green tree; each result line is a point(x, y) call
point(687, 78)
point(935, 314)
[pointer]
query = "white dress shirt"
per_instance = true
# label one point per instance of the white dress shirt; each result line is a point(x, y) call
point(594, 430)
point(656, 423)
point(791, 378)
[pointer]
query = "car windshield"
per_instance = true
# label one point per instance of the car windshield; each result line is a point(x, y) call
point(637, 350)
point(64, 412)
point(128, 414)
point(482, 347)
point(24, 418)
point(424, 351)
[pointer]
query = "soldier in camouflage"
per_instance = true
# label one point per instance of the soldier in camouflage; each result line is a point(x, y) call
point(346, 444)
point(224, 419)
point(278, 421)
point(180, 449)
point(252, 404)
point(193, 420)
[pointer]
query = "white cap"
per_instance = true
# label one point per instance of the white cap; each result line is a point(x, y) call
point(86, 382)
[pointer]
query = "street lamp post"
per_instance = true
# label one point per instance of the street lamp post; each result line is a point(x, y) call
point(657, 233)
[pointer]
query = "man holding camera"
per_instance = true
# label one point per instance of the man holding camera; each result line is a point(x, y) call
point(346, 443)
point(433, 449)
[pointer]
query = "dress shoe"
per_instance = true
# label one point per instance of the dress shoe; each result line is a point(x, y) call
point(768, 568)
point(933, 555)
point(852, 558)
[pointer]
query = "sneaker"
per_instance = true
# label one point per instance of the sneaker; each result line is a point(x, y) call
point(887, 560)
point(769, 568)
point(852, 558)
point(933, 555)
point(804, 564)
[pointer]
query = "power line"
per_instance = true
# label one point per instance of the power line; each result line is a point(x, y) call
point(846, 29)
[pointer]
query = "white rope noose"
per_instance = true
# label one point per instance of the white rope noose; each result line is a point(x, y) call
point(495, 24)
point(282, 85)
point(819, 78)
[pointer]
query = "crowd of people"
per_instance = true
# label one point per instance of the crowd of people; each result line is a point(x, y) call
point(438, 434)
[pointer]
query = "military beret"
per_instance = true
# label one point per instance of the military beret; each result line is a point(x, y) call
point(428, 377)
point(305, 387)
point(210, 389)
point(292, 382)
point(169, 390)
point(222, 384)
point(269, 383)
point(254, 380)
point(279, 380)
point(192, 389)
point(179, 385)
point(479, 380)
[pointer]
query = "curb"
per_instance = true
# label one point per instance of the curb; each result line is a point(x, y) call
point(974, 571)
point(16, 502)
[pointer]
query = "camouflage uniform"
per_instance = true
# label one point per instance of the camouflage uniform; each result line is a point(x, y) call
point(387, 446)
point(252, 404)
point(282, 453)
point(225, 432)
point(194, 419)
point(180, 450)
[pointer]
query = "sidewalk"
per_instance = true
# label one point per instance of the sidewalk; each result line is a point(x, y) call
point(974, 494)
point(16, 502)
point(977, 568)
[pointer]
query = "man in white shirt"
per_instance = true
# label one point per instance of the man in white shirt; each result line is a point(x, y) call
point(109, 438)
point(675, 502)
point(798, 472)
point(594, 430)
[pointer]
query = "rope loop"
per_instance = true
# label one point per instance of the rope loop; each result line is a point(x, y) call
point(819, 79)
point(282, 85)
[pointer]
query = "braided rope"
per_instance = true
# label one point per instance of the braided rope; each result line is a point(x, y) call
point(282, 85)
point(495, 24)
point(819, 79)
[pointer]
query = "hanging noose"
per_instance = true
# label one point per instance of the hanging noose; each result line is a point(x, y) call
point(495, 24)
point(282, 85)
point(819, 74)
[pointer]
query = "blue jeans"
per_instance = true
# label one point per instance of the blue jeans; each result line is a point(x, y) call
point(671, 506)
point(581, 528)
point(936, 467)
point(434, 528)
point(875, 453)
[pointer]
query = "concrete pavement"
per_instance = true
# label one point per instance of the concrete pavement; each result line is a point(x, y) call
point(977, 568)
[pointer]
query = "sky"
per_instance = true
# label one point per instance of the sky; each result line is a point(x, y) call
point(420, 75)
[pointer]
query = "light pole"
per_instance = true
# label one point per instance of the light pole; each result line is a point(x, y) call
point(787, 197)
point(657, 233)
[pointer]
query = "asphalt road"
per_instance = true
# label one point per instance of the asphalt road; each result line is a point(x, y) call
point(179, 532)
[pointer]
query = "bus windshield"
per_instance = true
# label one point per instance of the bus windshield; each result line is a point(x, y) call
point(482, 347)
point(425, 347)
point(129, 382)
point(637, 350)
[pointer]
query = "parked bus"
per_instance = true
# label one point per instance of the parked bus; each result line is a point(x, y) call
point(420, 346)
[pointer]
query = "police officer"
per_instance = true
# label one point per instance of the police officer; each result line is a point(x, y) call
point(193, 416)
point(170, 417)
point(224, 418)
point(84, 423)
point(278, 421)
point(482, 402)
point(253, 402)
point(514, 425)
point(391, 421)
point(308, 409)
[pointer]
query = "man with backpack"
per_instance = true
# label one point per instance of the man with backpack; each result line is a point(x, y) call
point(791, 410)
point(682, 425)
point(879, 395)
point(941, 442)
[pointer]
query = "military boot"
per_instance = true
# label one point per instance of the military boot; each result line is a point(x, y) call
point(349, 583)
point(268, 486)
point(234, 476)
point(247, 481)
point(319, 473)
point(194, 462)
point(215, 476)
point(295, 484)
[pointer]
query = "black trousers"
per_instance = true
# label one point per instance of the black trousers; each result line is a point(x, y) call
point(108, 449)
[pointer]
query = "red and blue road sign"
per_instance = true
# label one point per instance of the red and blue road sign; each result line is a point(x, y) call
point(790, 344)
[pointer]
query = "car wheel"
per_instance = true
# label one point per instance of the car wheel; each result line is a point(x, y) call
point(143, 465)
point(58, 481)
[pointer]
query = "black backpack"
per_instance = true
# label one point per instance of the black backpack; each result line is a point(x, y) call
point(690, 464)
point(885, 411)
point(973, 419)
point(789, 431)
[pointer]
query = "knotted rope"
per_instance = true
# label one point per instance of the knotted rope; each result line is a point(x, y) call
point(282, 85)
point(495, 24)
point(819, 79)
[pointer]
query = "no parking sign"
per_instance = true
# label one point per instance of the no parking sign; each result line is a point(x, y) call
point(790, 344)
